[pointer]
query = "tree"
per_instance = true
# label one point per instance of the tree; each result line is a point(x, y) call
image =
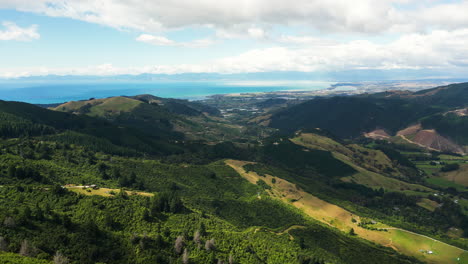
point(185, 257)
point(12, 171)
point(179, 244)
point(210, 245)
point(159, 240)
point(116, 173)
point(202, 229)
point(124, 182)
point(351, 232)
point(3, 244)
point(26, 249)
point(123, 194)
point(26, 213)
point(175, 204)
point(450, 167)
point(59, 258)
point(197, 237)
point(132, 178)
point(9, 222)
point(302, 243)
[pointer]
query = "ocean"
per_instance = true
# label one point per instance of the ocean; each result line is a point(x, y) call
point(42, 93)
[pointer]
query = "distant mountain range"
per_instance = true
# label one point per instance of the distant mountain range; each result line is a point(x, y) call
point(348, 75)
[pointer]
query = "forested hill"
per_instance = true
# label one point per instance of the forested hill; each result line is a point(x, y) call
point(350, 117)
point(453, 95)
point(80, 189)
point(26, 120)
point(114, 105)
point(109, 181)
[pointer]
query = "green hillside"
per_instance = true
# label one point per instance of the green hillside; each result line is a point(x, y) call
point(334, 115)
point(149, 180)
point(160, 118)
point(391, 111)
point(212, 199)
point(450, 125)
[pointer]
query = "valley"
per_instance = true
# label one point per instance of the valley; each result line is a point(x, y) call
point(356, 178)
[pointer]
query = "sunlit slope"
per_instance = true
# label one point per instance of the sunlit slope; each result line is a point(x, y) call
point(401, 240)
point(374, 168)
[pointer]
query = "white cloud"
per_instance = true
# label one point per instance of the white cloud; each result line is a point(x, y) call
point(362, 16)
point(163, 41)
point(305, 40)
point(155, 40)
point(444, 16)
point(257, 33)
point(437, 50)
point(12, 31)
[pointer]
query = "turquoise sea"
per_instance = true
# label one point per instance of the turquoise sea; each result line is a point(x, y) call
point(43, 93)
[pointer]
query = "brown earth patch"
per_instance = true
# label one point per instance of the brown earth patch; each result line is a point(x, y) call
point(377, 134)
point(409, 130)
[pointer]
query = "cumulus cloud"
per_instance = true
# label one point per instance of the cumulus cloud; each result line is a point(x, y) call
point(363, 16)
point(163, 41)
point(305, 40)
point(430, 34)
point(443, 16)
point(439, 49)
point(12, 31)
point(257, 32)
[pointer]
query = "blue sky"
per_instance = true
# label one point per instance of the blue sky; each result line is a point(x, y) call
point(111, 37)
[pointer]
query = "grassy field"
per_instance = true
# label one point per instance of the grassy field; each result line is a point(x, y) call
point(452, 157)
point(101, 107)
point(403, 241)
point(376, 181)
point(459, 176)
point(428, 204)
point(444, 183)
point(369, 159)
point(120, 104)
point(107, 192)
point(406, 242)
point(464, 205)
point(427, 168)
point(319, 142)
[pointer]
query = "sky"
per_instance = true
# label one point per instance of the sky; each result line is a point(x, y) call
point(113, 37)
